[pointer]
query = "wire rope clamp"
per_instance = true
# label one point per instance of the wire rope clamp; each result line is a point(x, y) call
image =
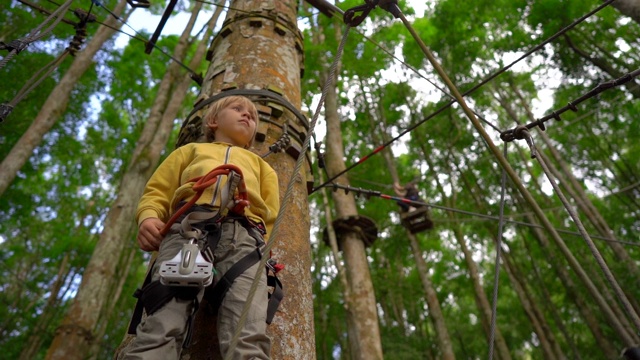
point(187, 268)
point(14, 45)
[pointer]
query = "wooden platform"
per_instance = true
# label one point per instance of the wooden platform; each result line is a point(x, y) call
point(417, 220)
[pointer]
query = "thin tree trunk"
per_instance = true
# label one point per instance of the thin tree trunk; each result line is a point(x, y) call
point(547, 302)
point(342, 273)
point(479, 295)
point(537, 322)
point(572, 292)
point(56, 103)
point(365, 344)
point(89, 304)
point(603, 65)
point(364, 340)
point(36, 338)
point(575, 295)
point(435, 311)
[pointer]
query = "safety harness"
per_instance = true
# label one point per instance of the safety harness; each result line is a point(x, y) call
point(191, 270)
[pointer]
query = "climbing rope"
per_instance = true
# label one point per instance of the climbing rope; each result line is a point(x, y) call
point(202, 183)
point(16, 46)
point(523, 132)
point(287, 196)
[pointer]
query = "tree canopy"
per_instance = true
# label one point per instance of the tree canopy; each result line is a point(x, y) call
point(54, 210)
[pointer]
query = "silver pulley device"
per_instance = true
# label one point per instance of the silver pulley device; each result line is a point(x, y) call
point(187, 268)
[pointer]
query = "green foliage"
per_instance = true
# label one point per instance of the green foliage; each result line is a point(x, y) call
point(55, 209)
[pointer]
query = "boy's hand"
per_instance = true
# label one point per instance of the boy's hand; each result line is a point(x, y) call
point(149, 237)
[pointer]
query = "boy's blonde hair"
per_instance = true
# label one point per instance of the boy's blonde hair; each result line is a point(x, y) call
point(218, 105)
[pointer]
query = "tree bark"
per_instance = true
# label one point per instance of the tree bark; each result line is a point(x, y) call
point(36, 338)
point(377, 116)
point(260, 51)
point(630, 8)
point(537, 321)
point(56, 103)
point(98, 279)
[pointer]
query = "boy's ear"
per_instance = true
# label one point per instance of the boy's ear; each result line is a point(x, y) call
point(212, 123)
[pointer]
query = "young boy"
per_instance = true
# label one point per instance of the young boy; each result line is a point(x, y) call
point(230, 126)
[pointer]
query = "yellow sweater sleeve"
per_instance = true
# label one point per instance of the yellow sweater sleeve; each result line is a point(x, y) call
point(270, 193)
point(159, 191)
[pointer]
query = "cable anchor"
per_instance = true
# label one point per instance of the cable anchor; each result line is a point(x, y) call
point(350, 17)
point(390, 6)
point(522, 132)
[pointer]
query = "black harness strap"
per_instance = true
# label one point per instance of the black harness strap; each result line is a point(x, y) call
point(275, 297)
point(216, 293)
point(153, 296)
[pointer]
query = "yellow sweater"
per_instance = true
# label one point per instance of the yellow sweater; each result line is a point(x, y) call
point(169, 184)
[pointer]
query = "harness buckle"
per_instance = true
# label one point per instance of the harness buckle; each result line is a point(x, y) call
point(187, 268)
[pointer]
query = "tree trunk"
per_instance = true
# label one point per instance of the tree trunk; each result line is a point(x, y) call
point(36, 338)
point(537, 322)
point(574, 294)
point(258, 52)
point(474, 274)
point(561, 271)
point(435, 311)
point(56, 103)
point(630, 8)
point(604, 65)
point(364, 334)
point(98, 279)
point(547, 302)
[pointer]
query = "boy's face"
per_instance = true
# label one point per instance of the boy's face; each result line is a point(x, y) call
point(234, 124)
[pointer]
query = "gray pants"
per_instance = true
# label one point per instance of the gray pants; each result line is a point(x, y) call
point(160, 336)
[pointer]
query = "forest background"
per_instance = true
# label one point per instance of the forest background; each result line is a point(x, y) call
point(78, 132)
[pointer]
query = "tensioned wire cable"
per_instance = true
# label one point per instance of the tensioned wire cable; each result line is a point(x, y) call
point(370, 193)
point(287, 197)
point(36, 33)
point(468, 92)
point(124, 22)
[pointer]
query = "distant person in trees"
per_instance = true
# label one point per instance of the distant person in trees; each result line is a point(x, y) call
point(408, 191)
point(230, 127)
